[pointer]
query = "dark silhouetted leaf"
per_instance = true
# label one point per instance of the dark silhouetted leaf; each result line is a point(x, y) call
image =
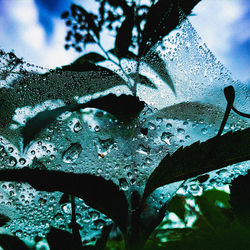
point(240, 198)
point(158, 65)
point(199, 158)
point(3, 219)
point(91, 57)
point(142, 80)
point(8, 242)
point(124, 34)
point(101, 242)
point(96, 192)
point(64, 199)
point(60, 240)
point(129, 55)
point(124, 107)
point(177, 206)
point(88, 18)
point(162, 18)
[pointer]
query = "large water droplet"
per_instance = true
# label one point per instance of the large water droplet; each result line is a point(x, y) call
point(72, 153)
point(77, 127)
point(166, 136)
point(123, 184)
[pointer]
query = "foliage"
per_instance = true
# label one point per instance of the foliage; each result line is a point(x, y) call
point(134, 216)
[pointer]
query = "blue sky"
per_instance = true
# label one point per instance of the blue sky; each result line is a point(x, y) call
point(34, 30)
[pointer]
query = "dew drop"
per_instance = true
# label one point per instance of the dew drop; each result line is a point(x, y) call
point(72, 153)
point(166, 136)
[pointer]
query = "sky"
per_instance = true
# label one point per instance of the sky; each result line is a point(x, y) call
point(34, 30)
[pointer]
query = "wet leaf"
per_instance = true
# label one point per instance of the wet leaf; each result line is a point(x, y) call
point(162, 18)
point(194, 111)
point(9, 242)
point(3, 219)
point(142, 80)
point(199, 158)
point(124, 107)
point(158, 65)
point(124, 34)
point(96, 192)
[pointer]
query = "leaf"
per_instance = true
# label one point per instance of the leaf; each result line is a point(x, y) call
point(129, 55)
point(9, 242)
point(177, 206)
point(40, 121)
point(162, 18)
point(124, 34)
point(158, 65)
point(194, 111)
point(142, 80)
point(96, 192)
point(64, 199)
point(91, 57)
point(124, 107)
point(88, 18)
point(210, 206)
point(240, 198)
point(60, 240)
point(199, 158)
point(3, 220)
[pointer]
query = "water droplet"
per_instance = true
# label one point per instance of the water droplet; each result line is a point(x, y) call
point(67, 208)
point(97, 128)
point(143, 150)
point(180, 131)
point(12, 162)
point(159, 119)
point(166, 136)
point(204, 131)
point(169, 125)
point(94, 215)
point(77, 127)
point(123, 184)
point(151, 126)
point(22, 161)
point(72, 153)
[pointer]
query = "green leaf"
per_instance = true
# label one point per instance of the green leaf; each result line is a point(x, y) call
point(64, 199)
point(142, 80)
point(162, 18)
point(158, 65)
point(213, 204)
point(240, 198)
point(124, 107)
point(177, 206)
point(199, 158)
point(124, 34)
point(3, 220)
point(96, 192)
point(8, 242)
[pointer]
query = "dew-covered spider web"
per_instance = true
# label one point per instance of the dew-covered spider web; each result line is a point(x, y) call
point(92, 141)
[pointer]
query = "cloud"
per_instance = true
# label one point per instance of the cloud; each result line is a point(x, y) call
point(225, 27)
